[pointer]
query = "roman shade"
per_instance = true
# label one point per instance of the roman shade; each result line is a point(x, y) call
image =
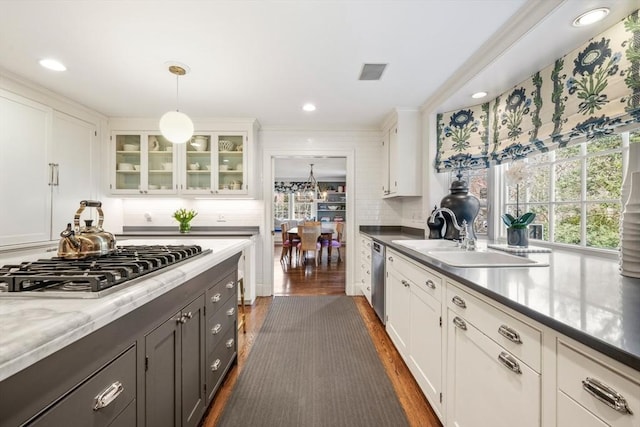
point(590, 92)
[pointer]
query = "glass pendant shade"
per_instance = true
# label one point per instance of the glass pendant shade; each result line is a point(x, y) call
point(177, 127)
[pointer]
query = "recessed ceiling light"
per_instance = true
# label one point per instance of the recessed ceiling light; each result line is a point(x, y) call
point(309, 107)
point(479, 95)
point(52, 64)
point(591, 17)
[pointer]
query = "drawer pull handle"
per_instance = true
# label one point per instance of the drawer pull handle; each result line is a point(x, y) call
point(460, 323)
point(230, 285)
point(216, 329)
point(229, 343)
point(510, 334)
point(430, 284)
point(216, 365)
point(606, 395)
point(510, 362)
point(216, 298)
point(405, 283)
point(231, 311)
point(458, 301)
point(109, 394)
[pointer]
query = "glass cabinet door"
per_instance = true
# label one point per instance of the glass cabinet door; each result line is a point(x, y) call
point(198, 165)
point(161, 171)
point(128, 164)
point(231, 162)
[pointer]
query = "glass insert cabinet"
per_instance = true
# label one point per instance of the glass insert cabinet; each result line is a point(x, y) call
point(210, 163)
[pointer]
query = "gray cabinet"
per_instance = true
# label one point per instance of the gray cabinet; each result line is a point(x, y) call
point(106, 398)
point(174, 369)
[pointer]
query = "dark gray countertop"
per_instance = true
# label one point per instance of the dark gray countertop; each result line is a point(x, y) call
point(196, 231)
point(582, 296)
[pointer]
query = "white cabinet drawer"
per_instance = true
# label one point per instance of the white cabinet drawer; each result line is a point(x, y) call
point(582, 378)
point(419, 276)
point(520, 339)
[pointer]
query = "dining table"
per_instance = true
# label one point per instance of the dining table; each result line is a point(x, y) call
point(326, 233)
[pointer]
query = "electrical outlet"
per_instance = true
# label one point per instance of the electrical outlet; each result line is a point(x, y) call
point(221, 218)
point(147, 216)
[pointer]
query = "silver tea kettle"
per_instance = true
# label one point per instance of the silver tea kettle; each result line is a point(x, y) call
point(88, 241)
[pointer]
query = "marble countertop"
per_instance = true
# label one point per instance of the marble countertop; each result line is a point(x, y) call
point(33, 328)
point(581, 295)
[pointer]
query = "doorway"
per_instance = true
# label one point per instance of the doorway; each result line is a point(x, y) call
point(309, 189)
point(329, 277)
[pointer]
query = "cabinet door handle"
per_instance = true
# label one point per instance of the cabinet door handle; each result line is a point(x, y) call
point(460, 323)
point(216, 365)
point(56, 181)
point(230, 285)
point(216, 329)
point(606, 395)
point(390, 258)
point(229, 343)
point(510, 334)
point(430, 284)
point(405, 283)
point(231, 311)
point(510, 362)
point(458, 301)
point(108, 395)
point(216, 298)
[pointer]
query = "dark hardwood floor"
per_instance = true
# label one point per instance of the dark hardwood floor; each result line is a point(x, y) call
point(323, 280)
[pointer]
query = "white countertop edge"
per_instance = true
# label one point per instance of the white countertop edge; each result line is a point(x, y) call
point(35, 328)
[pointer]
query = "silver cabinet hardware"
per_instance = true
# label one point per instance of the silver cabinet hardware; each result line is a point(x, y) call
point(229, 343)
point(230, 285)
point(606, 395)
point(184, 317)
point(430, 284)
point(231, 311)
point(108, 395)
point(460, 323)
point(216, 298)
point(510, 362)
point(510, 334)
point(458, 301)
point(216, 365)
point(405, 283)
point(216, 329)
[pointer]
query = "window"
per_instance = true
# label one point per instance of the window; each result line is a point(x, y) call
point(575, 193)
point(292, 206)
point(477, 182)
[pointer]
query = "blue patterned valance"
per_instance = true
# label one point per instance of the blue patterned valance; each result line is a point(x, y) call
point(590, 92)
point(288, 186)
point(463, 139)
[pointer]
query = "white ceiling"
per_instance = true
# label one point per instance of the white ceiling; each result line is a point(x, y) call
point(298, 168)
point(264, 59)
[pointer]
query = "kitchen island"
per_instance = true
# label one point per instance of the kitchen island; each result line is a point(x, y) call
point(559, 342)
point(51, 346)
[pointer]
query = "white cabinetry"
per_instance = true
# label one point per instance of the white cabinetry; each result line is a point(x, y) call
point(413, 306)
point(487, 378)
point(46, 162)
point(365, 266)
point(592, 393)
point(210, 163)
point(402, 154)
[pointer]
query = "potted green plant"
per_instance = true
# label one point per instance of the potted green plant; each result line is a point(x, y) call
point(184, 217)
point(518, 226)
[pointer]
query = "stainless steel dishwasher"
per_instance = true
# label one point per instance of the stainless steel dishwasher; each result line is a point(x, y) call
point(377, 279)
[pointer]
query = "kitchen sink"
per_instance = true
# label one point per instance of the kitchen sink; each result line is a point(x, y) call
point(462, 258)
point(426, 245)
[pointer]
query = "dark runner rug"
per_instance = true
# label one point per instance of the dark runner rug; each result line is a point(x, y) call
point(313, 364)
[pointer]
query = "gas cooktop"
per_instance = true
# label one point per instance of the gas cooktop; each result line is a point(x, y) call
point(91, 277)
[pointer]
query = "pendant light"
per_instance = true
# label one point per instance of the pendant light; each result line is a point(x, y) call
point(175, 126)
point(311, 186)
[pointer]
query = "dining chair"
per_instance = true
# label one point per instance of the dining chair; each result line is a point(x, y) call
point(288, 245)
point(309, 235)
point(335, 243)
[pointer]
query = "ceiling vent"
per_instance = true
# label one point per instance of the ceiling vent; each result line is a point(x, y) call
point(372, 71)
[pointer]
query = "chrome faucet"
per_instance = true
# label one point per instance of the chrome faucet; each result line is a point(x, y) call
point(465, 242)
